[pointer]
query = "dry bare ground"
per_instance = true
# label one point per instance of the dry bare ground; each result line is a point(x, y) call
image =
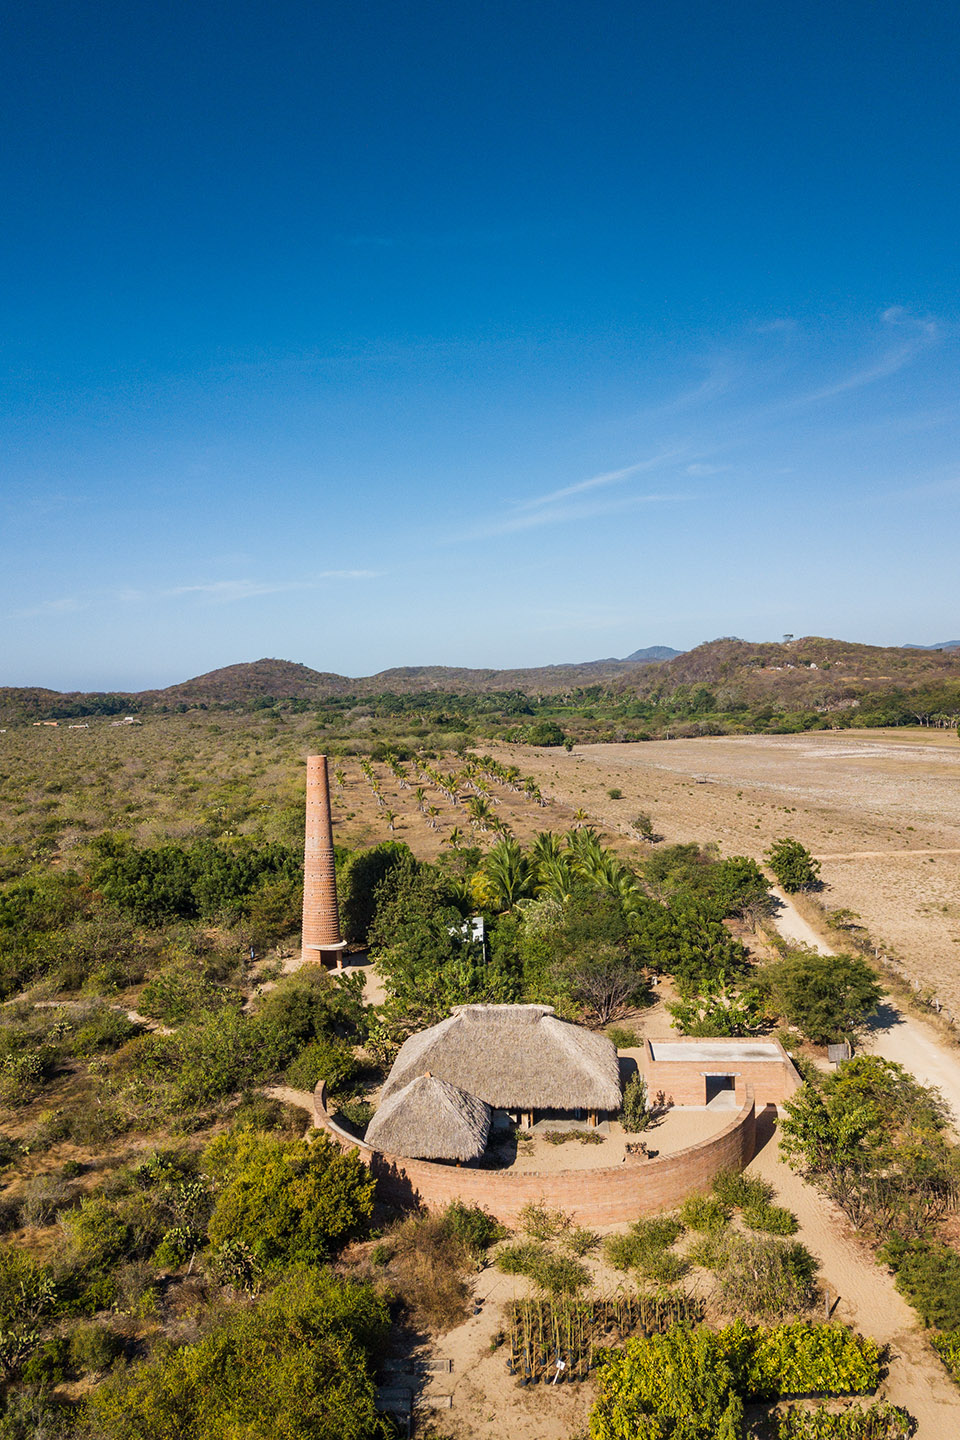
point(880, 807)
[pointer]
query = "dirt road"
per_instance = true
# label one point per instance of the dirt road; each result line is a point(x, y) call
point(895, 1036)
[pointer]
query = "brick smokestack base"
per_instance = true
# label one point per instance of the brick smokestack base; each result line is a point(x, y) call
point(321, 918)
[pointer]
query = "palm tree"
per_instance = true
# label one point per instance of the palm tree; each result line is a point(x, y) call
point(480, 811)
point(421, 798)
point(339, 776)
point(391, 819)
point(432, 813)
point(508, 871)
point(555, 879)
point(456, 837)
point(580, 817)
point(546, 846)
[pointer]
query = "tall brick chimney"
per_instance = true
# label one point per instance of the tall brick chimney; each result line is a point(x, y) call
point(321, 919)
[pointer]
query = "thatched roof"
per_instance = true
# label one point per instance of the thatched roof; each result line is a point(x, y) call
point(428, 1119)
point(515, 1057)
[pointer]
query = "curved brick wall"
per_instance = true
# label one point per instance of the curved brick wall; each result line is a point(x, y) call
point(611, 1196)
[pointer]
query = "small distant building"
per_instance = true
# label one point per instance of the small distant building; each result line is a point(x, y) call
point(429, 1119)
point(520, 1060)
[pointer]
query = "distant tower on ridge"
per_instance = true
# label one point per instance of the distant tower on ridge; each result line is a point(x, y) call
point(321, 918)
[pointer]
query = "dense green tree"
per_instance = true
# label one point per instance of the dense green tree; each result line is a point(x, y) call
point(793, 865)
point(828, 997)
point(360, 879)
point(425, 953)
point(296, 1365)
point(874, 1139)
point(289, 1201)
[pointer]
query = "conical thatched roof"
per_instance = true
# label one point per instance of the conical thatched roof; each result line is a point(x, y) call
point(428, 1119)
point(515, 1057)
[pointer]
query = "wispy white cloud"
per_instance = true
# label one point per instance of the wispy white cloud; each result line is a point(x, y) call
point(227, 590)
point(561, 514)
point(67, 605)
point(925, 332)
point(597, 482)
point(214, 591)
point(702, 471)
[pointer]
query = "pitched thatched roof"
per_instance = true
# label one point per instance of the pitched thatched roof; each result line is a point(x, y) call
point(515, 1057)
point(430, 1120)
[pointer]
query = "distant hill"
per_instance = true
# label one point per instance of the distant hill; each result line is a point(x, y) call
point(944, 645)
point(652, 652)
point(812, 672)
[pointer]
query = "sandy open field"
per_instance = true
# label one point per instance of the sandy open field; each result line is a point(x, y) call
point(869, 803)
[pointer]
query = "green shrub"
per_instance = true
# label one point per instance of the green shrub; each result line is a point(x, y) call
point(623, 1038)
point(929, 1278)
point(802, 1359)
point(682, 1377)
point(329, 1060)
point(704, 1212)
point(557, 1274)
point(97, 1234)
point(709, 1250)
point(176, 994)
point(93, 1348)
point(357, 1113)
point(766, 1278)
point(635, 1116)
point(774, 1219)
point(290, 1201)
point(880, 1421)
point(542, 1223)
point(299, 1362)
point(947, 1347)
point(692, 1383)
point(472, 1226)
point(580, 1241)
point(47, 1366)
point(646, 1249)
point(520, 1259)
point(793, 865)
point(737, 1190)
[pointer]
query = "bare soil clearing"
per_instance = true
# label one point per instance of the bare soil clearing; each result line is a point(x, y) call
point(881, 808)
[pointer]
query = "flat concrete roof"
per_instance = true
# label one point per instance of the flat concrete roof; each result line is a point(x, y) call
point(715, 1052)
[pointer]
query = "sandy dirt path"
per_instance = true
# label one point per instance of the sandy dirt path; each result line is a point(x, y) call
point(868, 1301)
point(898, 1037)
point(882, 854)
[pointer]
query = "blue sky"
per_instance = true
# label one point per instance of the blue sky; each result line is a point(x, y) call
point(367, 334)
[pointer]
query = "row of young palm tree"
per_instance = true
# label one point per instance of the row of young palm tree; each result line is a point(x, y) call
point(553, 868)
point(470, 788)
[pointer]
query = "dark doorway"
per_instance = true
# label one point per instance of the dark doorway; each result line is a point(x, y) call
point(717, 1085)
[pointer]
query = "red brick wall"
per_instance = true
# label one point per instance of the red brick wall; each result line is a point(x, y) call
point(773, 1081)
point(611, 1196)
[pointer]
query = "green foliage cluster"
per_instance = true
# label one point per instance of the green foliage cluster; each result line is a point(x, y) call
point(793, 865)
point(928, 1276)
point(290, 1202)
point(216, 1054)
point(635, 1112)
point(828, 997)
point(296, 1365)
point(185, 882)
point(874, 1139)
point(880, 1421)
point(693, 1383)
point(647, 1247)
point(553, 1273)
